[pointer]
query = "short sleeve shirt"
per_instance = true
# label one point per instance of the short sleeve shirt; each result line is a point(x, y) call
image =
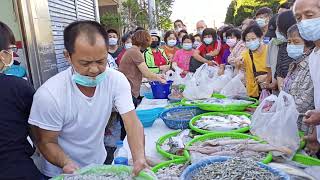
point(59, 105)
point(182, 58)
point(130, 61)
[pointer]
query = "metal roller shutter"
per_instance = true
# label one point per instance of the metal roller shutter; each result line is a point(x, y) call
point(62, 13)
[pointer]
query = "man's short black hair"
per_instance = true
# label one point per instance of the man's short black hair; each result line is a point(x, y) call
point(6, 37)
point(188, 36)
point(126, 36)
point(197, 35)
point(234, 32)
point(88, 28)
point(113, 31)
point(178, 20)
point(264, 10)
point(139, 29)
point(285, 21)
point(252, 29)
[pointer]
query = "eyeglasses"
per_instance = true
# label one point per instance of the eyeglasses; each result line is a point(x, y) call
point(13, 49)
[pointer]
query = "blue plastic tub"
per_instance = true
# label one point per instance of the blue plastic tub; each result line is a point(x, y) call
point(147, 117)
point(191, 170)
point(179, 117)
point(148, 95)
point(159, 90)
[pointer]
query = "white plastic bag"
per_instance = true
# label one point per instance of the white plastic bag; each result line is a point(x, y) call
point(198, 86)
point(275, 121)
point(235, 87)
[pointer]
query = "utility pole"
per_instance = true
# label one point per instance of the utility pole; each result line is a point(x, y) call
point(151, 12)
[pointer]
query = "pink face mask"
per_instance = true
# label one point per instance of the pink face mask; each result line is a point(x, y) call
point(231, 42)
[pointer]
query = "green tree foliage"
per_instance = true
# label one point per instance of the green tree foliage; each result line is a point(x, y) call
point(163, 13)
point(241, 9)
point(112, 20)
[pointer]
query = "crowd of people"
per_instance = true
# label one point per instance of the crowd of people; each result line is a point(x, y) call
point(74, 117)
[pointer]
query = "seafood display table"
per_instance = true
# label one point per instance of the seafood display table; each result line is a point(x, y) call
point(152, 134)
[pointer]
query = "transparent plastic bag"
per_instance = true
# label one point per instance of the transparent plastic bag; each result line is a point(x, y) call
point(235, 87)
point(198, 86)
point(275, 121)
point(264, 94)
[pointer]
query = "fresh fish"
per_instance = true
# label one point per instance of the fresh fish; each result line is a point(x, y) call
point(266, 148)
point(235, 169)
point(229, 141)
point(292, 171)
point(175, 145)
point(206, 150)
point(173, 172)
point(222, 122)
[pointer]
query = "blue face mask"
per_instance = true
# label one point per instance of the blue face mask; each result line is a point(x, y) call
point(88, 81)
point(172, 43)
point(253, 45)
point(281, 37)
point(261, 22)
point(187, 46)
point(207, 41)
point(309, 29)
point(295, 51)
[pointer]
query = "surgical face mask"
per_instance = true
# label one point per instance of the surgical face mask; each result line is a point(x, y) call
point(281, 37)
point(187, 46)
point(88, 81)
point(113, 41)
point(196, 44)
point(231, 42)
point(128, 45)
point(295, 51)
point(178, 29)
point(208, 40)
point(253, 45)
point(309, 29)
point(200, 31)
point(172, 42)
point(154, 44)
point(261, 22)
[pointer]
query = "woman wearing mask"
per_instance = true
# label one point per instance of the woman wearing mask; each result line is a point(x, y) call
point(133, 65)
point(225, 51)
point(210, 50)
point(182, 56)
point(254, 60)
point(284, 22)
point(237, 47)
point(155, 57)
point(170, 48)
point(127, 44)
point(180, 35)
point(197, 41)
point(298, 82)
point(16, 99)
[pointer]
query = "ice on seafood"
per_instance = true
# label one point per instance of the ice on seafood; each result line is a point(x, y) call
point(176, 144)
point(173, 172)
point(105, 176)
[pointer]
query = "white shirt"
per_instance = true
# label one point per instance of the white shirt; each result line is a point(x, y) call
point(314, 65)
point(59, 105)
point(112, 62)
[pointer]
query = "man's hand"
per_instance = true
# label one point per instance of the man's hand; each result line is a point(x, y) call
point(312, 117)
point(139, 165)
point(165, 68)
point(70, 167)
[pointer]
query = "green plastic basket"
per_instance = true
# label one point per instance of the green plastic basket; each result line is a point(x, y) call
point(306, 160)
point(201, 131)
point(221, 108)
point(168, 163)
point(164, 153)
point(109, 168)
point(267, 160)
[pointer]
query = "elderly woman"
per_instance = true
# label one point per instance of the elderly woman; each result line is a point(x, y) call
point(298, 82)
point(16, 99)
